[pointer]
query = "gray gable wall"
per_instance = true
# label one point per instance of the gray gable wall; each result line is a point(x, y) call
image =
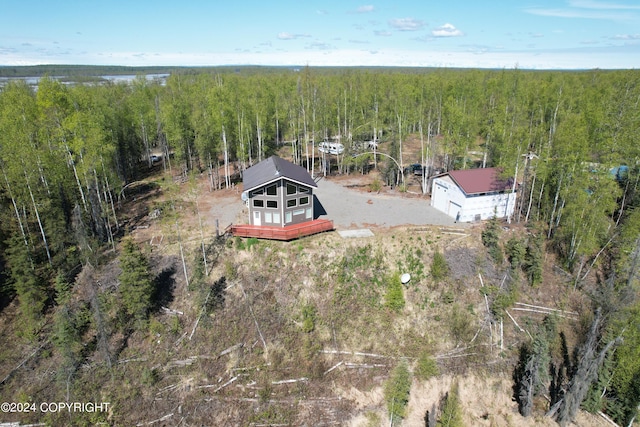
point(272, 169)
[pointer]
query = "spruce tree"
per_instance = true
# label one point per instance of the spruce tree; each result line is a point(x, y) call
point(136, 284)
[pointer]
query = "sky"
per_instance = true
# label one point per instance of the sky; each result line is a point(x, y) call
point(531, 34)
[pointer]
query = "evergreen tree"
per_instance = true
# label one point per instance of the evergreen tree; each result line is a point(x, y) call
point(136, 284)
point(28, 284)
point(396, 392)
point(450, 409)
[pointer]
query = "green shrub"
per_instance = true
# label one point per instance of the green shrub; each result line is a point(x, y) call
point(308, 318)
point(149, 377)
point(251, 241)
point(460, 324)
point(439, 267)
point(394, 298)
point(376, 185)
point(426, 367)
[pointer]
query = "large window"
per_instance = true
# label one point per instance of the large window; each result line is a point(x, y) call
point(272, 204)
point(291, 203)
point(257, 203)
point(272, 191)
point(291, 189)
point(304, 200)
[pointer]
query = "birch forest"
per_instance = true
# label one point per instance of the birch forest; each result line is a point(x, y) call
point(70, 152)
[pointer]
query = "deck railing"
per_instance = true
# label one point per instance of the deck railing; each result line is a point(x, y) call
point(290, 232)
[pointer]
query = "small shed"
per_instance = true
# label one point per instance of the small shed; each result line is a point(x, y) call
point(473, 194)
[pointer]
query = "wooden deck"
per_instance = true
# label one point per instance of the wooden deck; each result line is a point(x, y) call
point(290, 232)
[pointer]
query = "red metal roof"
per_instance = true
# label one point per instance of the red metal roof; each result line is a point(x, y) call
point(474, 181)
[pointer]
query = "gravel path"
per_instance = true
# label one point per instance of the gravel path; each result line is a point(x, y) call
point(350, 208)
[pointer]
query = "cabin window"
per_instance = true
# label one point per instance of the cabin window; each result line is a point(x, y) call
point(309, 213)
point(272, 204)
point(257, 203)
point(291, 203)
point(272, 191)
point(267, 217)
point(276, 218)
point(257, 192)
point(304, 201)
point(304, 190)
point(291, 189)
point(287, 217)
point(298, 212)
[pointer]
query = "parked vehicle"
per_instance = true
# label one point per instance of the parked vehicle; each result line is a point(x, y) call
point(331, 147)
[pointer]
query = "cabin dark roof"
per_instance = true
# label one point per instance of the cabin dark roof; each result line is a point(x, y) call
point(273, 169)
point(474, 181)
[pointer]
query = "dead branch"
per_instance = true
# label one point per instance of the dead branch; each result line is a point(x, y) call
point(355, 353)
point(547, 308)
point(363, 365)
point(138, 359)
point(264, 343)
point(202, 311)
point(166, 417)
point(516, 323)
point(531, 310)
point(297, 380)
point(455, 356)
point(337, 365)
point(168, 310)
point(23, 362)
point(230, 349)
point(180, 339)
point(219, 387)
point(179, 363)
point(167, 388)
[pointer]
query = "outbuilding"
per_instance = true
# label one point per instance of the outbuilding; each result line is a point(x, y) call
point(473, 194)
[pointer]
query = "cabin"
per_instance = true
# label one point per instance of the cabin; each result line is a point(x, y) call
point(279, 197)
point(473, 194)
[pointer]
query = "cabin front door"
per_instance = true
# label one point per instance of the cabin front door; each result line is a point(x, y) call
point(256, 218)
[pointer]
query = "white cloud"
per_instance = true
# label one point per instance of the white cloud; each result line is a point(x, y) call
point(382, 33)
point(289, 36)
point(591, 4)
point(406, 24)
point(447, 30)
point(588, 9)
point(365, 9)
point(580, 13)
point(626, 37)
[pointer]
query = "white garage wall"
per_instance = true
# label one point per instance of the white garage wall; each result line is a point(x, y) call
point(447, 197)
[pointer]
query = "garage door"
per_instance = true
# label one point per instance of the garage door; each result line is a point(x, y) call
point(440, 198)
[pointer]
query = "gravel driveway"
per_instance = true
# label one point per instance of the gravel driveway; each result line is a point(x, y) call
point(348, 208)
point(351, 209)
